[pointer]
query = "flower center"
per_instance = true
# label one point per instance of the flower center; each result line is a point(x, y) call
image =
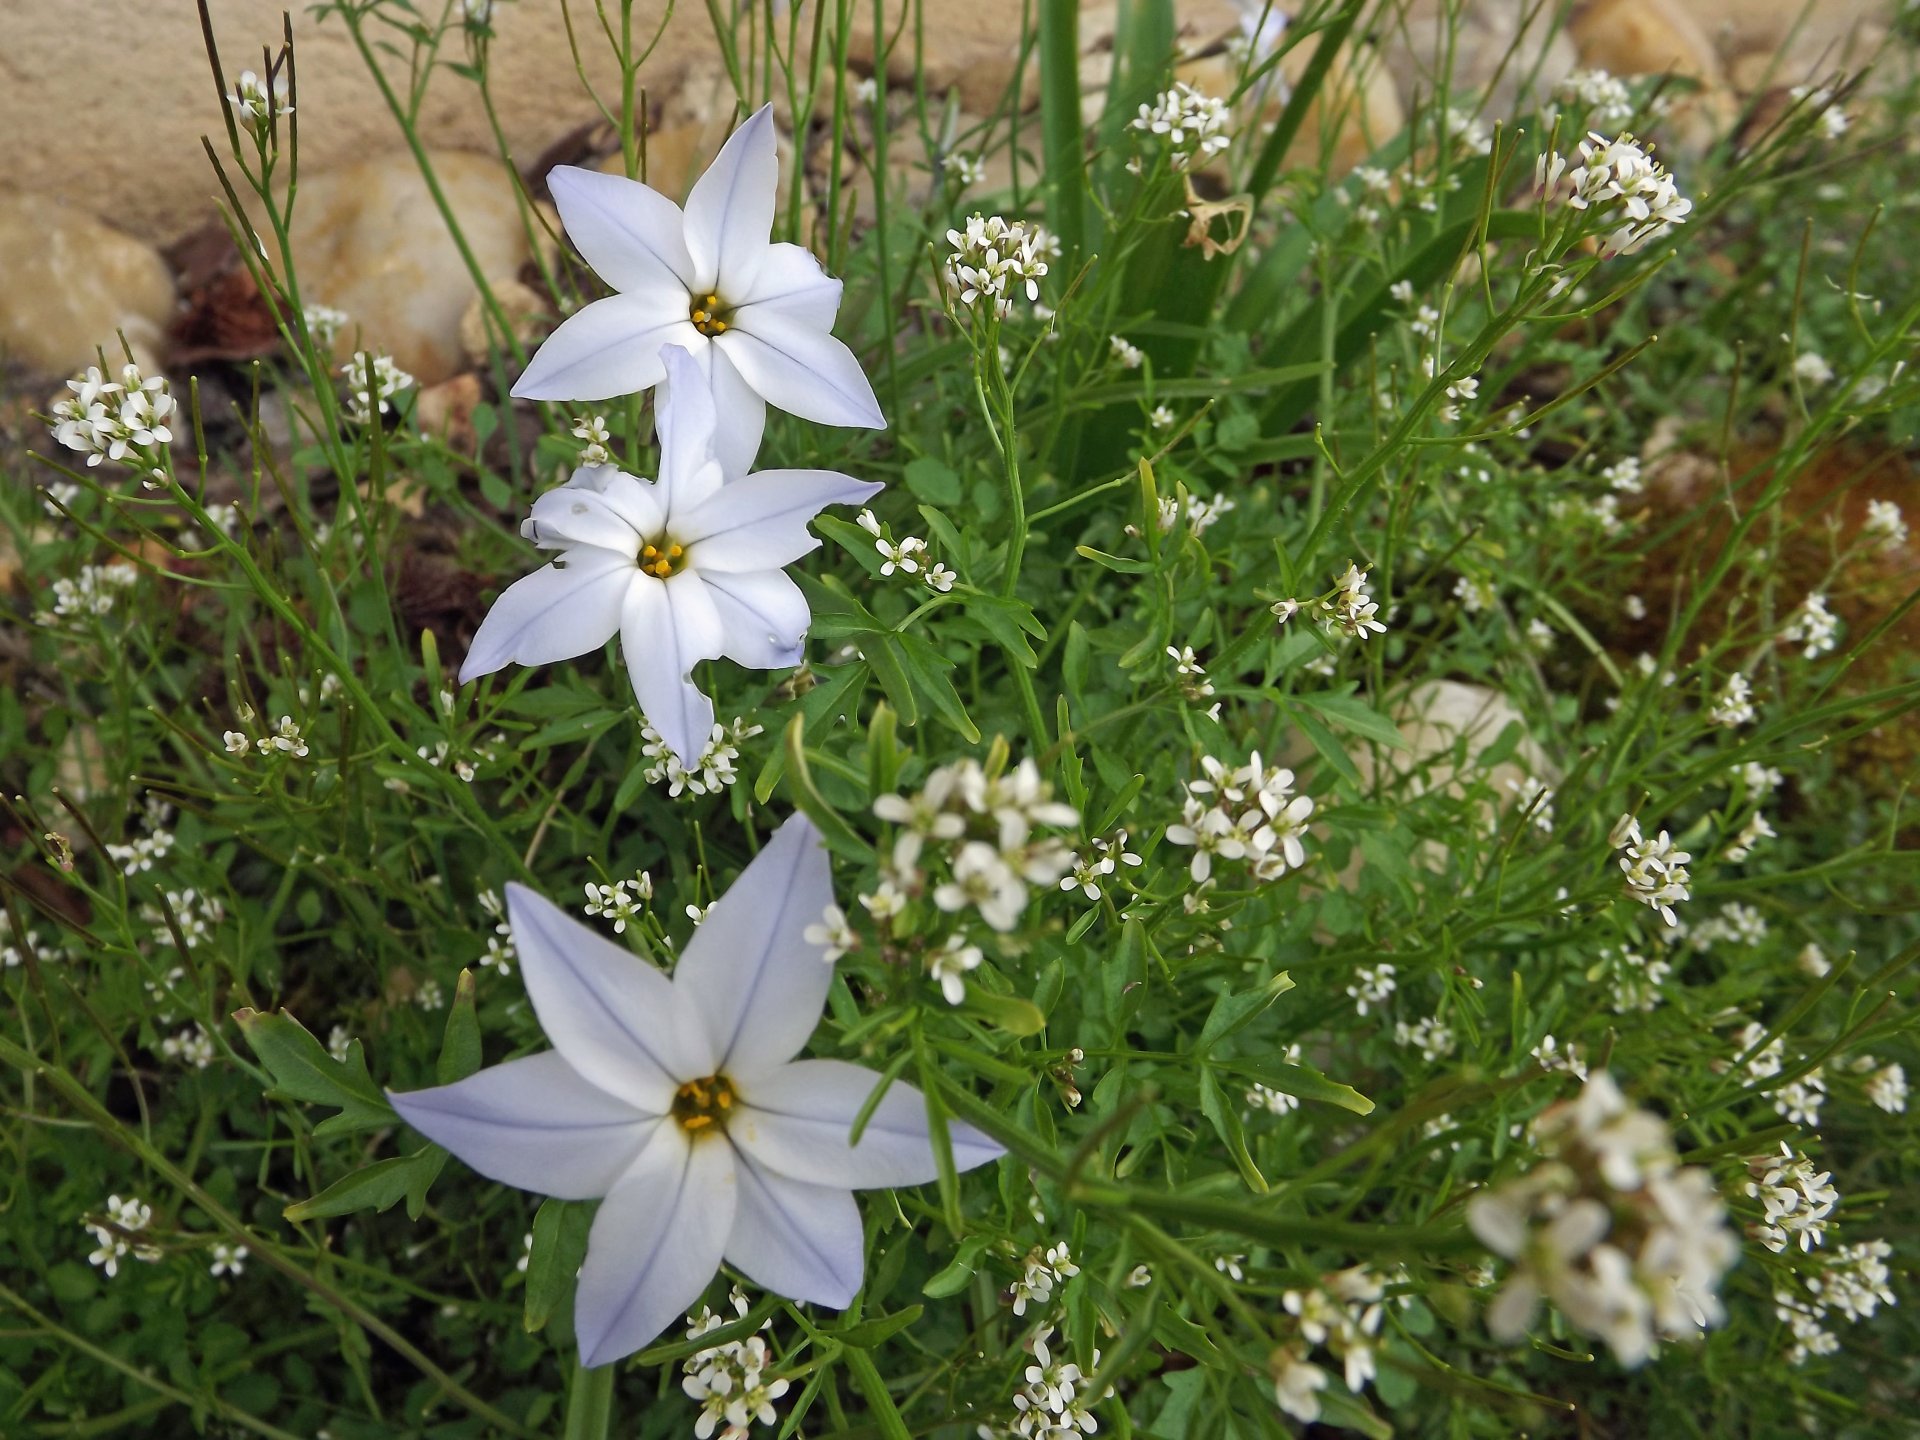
point(709, 314)
point(702, 1106)
point(662, 559)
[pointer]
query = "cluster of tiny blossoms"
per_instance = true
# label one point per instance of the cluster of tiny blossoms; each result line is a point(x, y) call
point(96, 590)
point(1854, 1281)
point(1656, 870)
point(1347, 609)
point(1622, 184)
point(1795, 1199)
point(123, 420)
point(372, 380)
point(714, 770)
point(121, 1234)
point(1249, 813)
point(993, 259)
point(1624, 1241)
point(1343, 1313)
point(728, 1381)
point(906, 557)
point(1193, 124)
point(1602, 98)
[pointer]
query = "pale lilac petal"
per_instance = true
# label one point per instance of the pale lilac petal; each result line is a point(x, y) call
point(684, 416)
point(738, 441)
point(668, 627)
point(559, 611)
point(801, 368)
point(655, 1244)
point(749, 970)
point(760, 522)
point(765, 616)
point(610, 515)
point(798, 1240)
point(534, 1124)
point(795, 1121)
point(791, 279)
point(615, 1019)
point(611, 347)
point(730, 210)
point(629, 233)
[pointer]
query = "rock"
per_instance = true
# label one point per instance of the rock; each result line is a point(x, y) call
point(73, 285)
point(525, 309)
point(368, 239)
point(446, 412)
point(1827, 36)
point(1512, 50)
point(1645, 37)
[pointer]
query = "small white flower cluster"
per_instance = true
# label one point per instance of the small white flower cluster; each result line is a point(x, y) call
point(1193, 124)
point(139, 854)
point(1040, 1271)
point(1534, 799)
point(832, 933)
point(1551, 1056)
point(372, 380)
point(1089, 870)
point(1796, 1199)
point(194, 913)
point(1886, 1084)
point(1733, 706)
point(967, 170)
point(1884, 525)
point(1202, 514)
point(1600, 98)
point(1810, 367)
point(1620, 181)
point(227, 1259)
point(1052, 1402)
point(438, 753)
point(190, 1047)
point(1348, 608)
point(984, 826)
point(1638, 980)
point(729, 1382)
point(1190, 673)
point(1468, 132)
point(1853, 1280)
point(94, 591)
point(1623, 475)
point(1832, 120)
point(712, 774)
point(126, 1219)
point(1475, 593)
point(622, 901)
point(123, 420)
point(1276, 1102)
point(500, 952)
point(1130, 356)
point(1751, 832)
point(1432, 1037)
point(255, 102)
point(994, 258)
point(1656, 870)
point(1736, 924)
point(1370, 987)
point(324, 324)
point(1246, 813)
point(597, 444)
point(1628, 1244)
point(1344, 1313)
point(906, 557)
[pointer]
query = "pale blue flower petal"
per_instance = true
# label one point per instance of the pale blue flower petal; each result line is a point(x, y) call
point(791, 279)
point(611, 347)
point(796, 1119)
point(684, 416)
point(630, 233)
point(760, 522)
point(756, 981)
point(619, 1022)
point(655, 1244)
point(609, 515)
point(798, 1240)
point(559, 611)
point(765, 616)
point(800, 368)
point(738, 441)
point(730, 210)
point(534, 1124)
point(668, 627)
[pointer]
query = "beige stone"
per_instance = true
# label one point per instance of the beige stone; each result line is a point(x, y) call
point(73, 286)
point(525, 310)
point(369, 240)
point(1645, 37)
point(1825, 35)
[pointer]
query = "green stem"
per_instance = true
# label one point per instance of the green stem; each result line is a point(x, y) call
point(589, 1402)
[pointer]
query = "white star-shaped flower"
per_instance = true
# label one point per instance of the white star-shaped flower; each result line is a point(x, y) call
point(683, 569)
point(680, 1106)
point(756, 316)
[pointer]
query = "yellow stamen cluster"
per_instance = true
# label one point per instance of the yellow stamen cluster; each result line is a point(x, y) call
point(661, 560)
point(707, 315)
point(702, 1106)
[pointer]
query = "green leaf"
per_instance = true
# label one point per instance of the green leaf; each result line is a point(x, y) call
point(887, 656)
point(303, 1070)
point(1355, 716)
point(1231, 1011)
point(1005, 1012)
point(1009, 622)
point(1299, 1081)
point(869, 1333)
point(1117, 563)
point(932, 674)
point(1224, 1115)
point(460, 1046)
point(379, 1186)
point(958, 1272)
point(559, 1246)
point(839, 835)
point(1328, 747)
point(932, 481)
